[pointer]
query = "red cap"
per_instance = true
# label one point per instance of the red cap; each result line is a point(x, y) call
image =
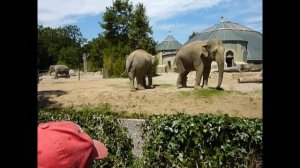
point(63, 144)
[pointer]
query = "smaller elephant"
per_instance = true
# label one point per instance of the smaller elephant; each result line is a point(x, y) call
point(198, 56)
point(59, 69)
point(138, 65)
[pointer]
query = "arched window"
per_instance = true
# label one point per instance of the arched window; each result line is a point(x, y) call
point(229, 58)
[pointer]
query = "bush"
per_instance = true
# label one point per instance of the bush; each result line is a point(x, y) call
point(154, 65)
point(180, 140)
point(115, 60)
point(100, 126)
point(202, 141)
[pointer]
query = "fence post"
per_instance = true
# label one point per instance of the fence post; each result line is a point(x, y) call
point(79, 74)
point(105, 73)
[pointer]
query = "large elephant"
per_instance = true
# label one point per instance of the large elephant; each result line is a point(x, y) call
point(138, 65)
point(197, 56)
point(59, 69)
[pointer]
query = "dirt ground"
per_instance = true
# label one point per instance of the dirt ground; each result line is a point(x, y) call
point(165, 98)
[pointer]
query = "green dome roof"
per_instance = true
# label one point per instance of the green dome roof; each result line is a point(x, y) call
point(170, 43)
point(229, 31)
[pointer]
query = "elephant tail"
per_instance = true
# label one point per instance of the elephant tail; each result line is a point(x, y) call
point(129, 61)
point(123, 74)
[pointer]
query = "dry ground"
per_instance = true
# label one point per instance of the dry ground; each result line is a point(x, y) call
point(245, 100)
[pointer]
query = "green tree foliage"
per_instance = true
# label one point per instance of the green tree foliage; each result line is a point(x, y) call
point(70, 56)
point(55, 41)
point(116, 20)
point(140, 31)
point(71, 36)
point(95, 49)
point(115, 58)
point(154, 65)
point(125, 31)
point(48, 46)
point(192, 35)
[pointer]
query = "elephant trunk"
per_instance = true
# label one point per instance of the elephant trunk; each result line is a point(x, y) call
point(220, 62)
point(221, 71)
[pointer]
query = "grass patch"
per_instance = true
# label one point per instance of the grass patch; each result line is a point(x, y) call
point(165, 85)
point(204, 93)
point(104, 109)
point(241, 93)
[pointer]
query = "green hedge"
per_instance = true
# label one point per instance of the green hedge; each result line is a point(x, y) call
point(100, 126)
point(179, 140)
point(202, 141)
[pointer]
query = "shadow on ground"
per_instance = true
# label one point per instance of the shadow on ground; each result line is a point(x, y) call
point(44, 98)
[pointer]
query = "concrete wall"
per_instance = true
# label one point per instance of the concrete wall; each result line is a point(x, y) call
point(159, 57)
point(168, 60)
point(239, 49)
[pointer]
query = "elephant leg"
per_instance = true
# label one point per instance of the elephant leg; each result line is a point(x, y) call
point(206, 72)
point(131, 78)
point(149, 81)
point(56, 75)
point(184, 78)
point(66, 74)
point(199, 73)
point(144, 81)
point(181, 79)
point(149, 75)
point(140, 80)
point(140, 86)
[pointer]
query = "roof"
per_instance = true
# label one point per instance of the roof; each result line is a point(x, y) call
point(229, 31)
point(170, 43)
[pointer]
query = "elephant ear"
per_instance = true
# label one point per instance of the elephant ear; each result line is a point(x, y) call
point(213, 45)
point(204, 51)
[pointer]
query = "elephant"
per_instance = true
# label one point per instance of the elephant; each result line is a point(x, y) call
point(138, 65)
point(197, 56)
point(59, 69)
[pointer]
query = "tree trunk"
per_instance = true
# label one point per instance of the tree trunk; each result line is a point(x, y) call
point(232, 69)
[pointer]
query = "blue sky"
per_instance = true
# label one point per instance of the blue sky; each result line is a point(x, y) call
point(181, 17)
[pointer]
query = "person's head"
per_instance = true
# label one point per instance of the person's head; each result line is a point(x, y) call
point(63, 144)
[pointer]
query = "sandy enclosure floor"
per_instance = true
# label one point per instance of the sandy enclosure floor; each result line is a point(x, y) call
point(165, 98)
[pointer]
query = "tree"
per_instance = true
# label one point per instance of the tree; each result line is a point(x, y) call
point(114, 59)
point(125, 31)
point(70, 56)
point(95, 49)
point(48, 46)
point(55, 45)
point(192, 35)
point(116, 20)
point(140, 31)
point(70, 35)
point(71, 41)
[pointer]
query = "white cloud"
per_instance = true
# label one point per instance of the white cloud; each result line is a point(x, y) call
point(59, 12)
point(181, 26)
point(162, 13)
point(253, 19)
point(163, 9)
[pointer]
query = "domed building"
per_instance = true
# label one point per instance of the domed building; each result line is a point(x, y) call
point(242, 44)
point(166, 53)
